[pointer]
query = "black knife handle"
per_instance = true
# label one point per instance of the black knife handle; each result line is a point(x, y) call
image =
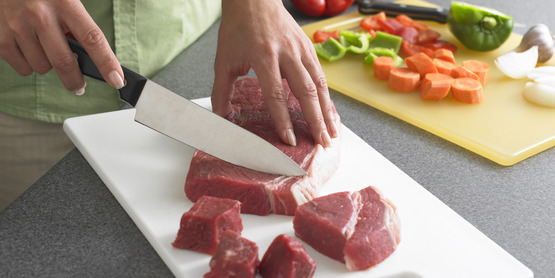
point(134, 82)
point(393, 9)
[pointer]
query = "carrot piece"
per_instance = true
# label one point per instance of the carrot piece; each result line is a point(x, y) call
point(403, 79)
point(461, 72)
point(467, 90)
point(444, 66)
point(445, 54)
point(430, 77)
point(479, 68)
point(382, 66)
point(435, 90)
point(421, 63)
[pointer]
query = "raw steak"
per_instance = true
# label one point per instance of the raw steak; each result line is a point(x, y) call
point(261, 193)
point(286, 258)
point(235, 257)
point(202, 226)
point(359, 229)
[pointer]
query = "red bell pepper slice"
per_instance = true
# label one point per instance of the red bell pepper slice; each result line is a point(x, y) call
point(409, 34)
point(410, 49)
point(441, 44)
point(390, 25)
point(427, 35)
point(322, 35)
point(371, 22)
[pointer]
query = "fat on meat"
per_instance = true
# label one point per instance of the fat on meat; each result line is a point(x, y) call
point(261, 193)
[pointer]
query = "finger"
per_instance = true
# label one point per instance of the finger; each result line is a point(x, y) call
point(13, 56)
point(89, 35)
point(61, 58)
point(276, 100)
point(306, 92)
point(222, 90)
point(328, 109)
point(31, 49)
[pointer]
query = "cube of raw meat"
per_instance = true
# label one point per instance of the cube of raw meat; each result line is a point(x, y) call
point(202, 226)
point(286, 258)
point(360, 229)
point(261, 193)
point(236, 256)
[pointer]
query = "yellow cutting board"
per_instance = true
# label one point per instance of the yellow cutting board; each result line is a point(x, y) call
point(504, 128)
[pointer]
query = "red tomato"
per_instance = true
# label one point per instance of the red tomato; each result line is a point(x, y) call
point(322, 35)
point(371, 22)
point(410, 49)
point(310, 7)
point(438, 44)
point(317, 8)
point(335, 7)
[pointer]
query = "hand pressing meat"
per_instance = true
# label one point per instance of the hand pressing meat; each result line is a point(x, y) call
point(263, 36)
point(261, 193)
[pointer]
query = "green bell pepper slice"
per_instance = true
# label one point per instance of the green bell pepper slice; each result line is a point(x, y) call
point(355, 42)
point(479, 28)
point(385, 40)
point(330, 50)
point(380, 51)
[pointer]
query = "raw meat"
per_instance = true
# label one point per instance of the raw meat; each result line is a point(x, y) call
point(203, 225)
point(286, 258)
point(235, 257)
point(360, 229)
point(261, 193)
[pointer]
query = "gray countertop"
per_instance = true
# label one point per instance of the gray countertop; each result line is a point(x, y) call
point(68, 224)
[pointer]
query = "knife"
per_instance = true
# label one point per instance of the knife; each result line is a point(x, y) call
point(185, 121)
point(393, 9)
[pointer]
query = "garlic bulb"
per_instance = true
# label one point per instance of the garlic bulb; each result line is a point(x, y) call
point(539, 35)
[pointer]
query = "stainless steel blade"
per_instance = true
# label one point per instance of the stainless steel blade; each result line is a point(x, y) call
point(188, 122)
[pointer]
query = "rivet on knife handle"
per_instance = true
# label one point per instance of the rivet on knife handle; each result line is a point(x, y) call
point(134, 81)
point(393, 9)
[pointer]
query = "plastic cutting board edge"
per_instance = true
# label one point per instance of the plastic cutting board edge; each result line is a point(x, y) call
point(505, 128)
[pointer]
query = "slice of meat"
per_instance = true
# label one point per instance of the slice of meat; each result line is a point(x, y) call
point(377, 232)
point(286, 258)
point(261, 193)
point(359, 229)
point(236, 256)
point(203, 225)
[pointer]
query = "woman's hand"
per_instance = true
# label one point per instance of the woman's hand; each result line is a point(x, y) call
point(264, 36)
point(33, 39)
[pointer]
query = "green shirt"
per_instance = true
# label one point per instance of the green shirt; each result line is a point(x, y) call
point(145, 34)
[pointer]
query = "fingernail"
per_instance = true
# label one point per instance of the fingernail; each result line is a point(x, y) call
point(116, 80)
point(334, 130)
point(326, 140)
point(81, 91)
point(291, 137)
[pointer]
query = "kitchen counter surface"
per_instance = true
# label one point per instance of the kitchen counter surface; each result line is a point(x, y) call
point(68, 224)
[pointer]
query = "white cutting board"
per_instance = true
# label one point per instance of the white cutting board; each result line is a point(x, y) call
point(146, 173)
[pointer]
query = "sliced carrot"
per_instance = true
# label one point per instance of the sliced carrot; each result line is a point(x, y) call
point(382, 66)
point(445, 54)
point(435, 90)
point(461, 72)
point(435, 77)
point(467, 90)
point(479, 68)
point(421, 63)
point(403, 79)
point(444, 66)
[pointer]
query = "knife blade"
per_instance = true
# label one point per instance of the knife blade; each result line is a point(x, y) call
point(173, 115)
